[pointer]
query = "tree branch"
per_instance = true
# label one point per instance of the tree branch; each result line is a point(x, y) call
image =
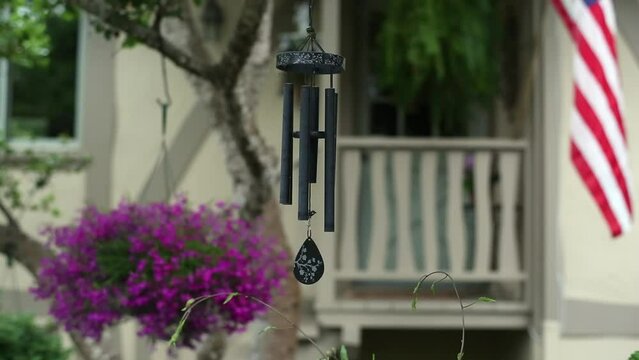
point(67, 162)
point(244, 38)
point(195, 40)
point(24, 249)
point(9, 216)
point(151, 38)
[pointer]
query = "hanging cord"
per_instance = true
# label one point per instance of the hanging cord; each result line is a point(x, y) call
point(310, 13)
point(164, 104)
point(310, 43)
point(309, 231)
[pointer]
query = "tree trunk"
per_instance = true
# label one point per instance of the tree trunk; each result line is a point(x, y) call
point(253, 167)
point(281, 344)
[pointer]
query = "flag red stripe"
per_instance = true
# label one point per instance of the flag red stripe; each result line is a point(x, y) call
point(597, 71)
point(591, 120)
point(593, 185)
point(598, 14)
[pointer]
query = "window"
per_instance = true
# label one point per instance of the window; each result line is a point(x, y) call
point(40, 104)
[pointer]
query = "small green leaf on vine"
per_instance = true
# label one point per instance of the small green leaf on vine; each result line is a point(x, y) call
point(432, 287)
point(188, 304)
point(178, 331)
point(486, 299)
point(343, 354)
point(634, 356)
point(414, 303)
point(416, 289)
point(229, 298)
point(267, 329)
point(460, 356)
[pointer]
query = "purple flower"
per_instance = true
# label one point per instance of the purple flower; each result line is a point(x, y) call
point(146, 260)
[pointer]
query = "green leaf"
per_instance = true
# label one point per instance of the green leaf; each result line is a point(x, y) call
point(416, 289)
point(188, 304)
point(267, 329)
point(129, 42)
point(178, 330)
point(343, 354)
point(460, 356)
point(113, 261)
point(413, 304)
point(230, 297)
point(486, 299)
point(634, 356)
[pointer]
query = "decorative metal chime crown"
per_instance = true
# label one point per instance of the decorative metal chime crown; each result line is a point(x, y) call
point(310, 60)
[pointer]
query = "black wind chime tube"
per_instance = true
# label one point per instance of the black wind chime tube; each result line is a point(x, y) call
point(286, 174)
point(330, 126)
point(305, 152)
point(314, 133)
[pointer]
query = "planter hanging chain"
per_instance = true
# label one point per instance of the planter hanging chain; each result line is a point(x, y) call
point(163, 163)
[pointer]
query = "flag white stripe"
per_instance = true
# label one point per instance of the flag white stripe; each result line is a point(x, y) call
point(609, 13)
point(570, 8)
point(596, 98)
point(593, 35)
point(593, 155)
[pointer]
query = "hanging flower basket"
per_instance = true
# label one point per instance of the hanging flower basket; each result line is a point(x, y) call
point(144, 261)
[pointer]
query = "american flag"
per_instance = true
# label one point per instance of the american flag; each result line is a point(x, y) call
point(598, 144)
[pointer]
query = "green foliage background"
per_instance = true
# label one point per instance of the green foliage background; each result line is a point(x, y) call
point(22, 339)
point(442, 51)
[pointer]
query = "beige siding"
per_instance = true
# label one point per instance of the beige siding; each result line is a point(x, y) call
point(591, 266)
point(594, 266)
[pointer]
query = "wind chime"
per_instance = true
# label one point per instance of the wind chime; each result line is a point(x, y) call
point(311, 60)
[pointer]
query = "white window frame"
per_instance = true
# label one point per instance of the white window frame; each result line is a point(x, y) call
point(47, 144)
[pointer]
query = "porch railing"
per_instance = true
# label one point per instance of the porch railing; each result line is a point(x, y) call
point(410, 206)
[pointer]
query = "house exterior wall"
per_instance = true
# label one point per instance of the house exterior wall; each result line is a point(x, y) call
point(592, 301)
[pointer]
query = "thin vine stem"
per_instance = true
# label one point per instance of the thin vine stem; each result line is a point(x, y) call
point(191, 304)
point(461, 304)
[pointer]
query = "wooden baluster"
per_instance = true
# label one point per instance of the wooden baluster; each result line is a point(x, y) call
point(428, 181)
point(379, 235)
point(455, 224)
point(483, 212)
point(405, 262)
point(350, 173)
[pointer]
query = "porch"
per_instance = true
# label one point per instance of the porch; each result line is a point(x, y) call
point(409, 206)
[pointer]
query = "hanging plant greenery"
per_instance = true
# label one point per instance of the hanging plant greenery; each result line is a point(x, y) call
point(443, 50)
